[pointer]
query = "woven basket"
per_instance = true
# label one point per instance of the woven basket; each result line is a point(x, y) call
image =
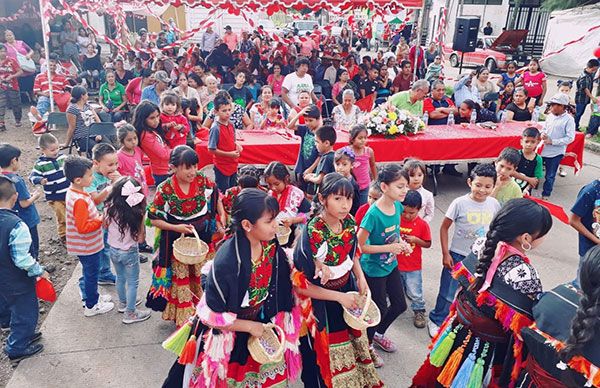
point(269, 347)
point(367, 316)
point(190, 250)
point(283, 234)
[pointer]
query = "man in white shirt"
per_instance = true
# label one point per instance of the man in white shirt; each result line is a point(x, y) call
point(209, 41)
point(296, 82)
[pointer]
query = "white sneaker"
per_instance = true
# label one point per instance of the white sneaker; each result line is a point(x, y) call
point(101, 298)
point(99, 308)
point(123, 306)
point(432, 328)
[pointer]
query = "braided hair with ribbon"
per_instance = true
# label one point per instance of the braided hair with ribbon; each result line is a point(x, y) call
point(516, 218)
point(126, 206)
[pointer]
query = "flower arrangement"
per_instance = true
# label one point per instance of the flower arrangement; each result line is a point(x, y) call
point(391, 122)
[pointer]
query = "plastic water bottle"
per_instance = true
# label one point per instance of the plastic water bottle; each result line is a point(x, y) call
point(451, 118)
point(535, 116)
point(473, 117)
point(426, 118)
point(502, 116)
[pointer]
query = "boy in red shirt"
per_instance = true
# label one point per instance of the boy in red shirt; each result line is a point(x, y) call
point(415, 231)
point(221, 143)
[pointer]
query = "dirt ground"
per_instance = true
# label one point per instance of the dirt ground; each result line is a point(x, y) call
point(53, 254)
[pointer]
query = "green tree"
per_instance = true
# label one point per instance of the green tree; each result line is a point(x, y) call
point(553, 5)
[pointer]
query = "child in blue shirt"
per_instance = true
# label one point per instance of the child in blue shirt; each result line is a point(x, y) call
point(25, 205)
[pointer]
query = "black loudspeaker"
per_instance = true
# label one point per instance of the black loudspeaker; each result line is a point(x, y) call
point(465, 34)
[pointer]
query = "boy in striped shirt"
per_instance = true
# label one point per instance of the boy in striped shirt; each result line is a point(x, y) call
point(48, 172)
point(84, 232)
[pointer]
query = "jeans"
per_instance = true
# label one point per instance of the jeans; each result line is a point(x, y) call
point(551, 165)
point(413, 287)
point(158, 179)
point(104, 272)
point(10, 99)
point(593, 126)
point(43, 105)
point(446, 293)
point(127, 266)
point(224, 182)
point(21, 312)
point(390, 286)
point(579, 110)
point(34, 249)
point(90, 268)
point(363, 196)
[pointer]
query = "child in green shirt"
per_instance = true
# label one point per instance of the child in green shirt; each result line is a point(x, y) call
point(506, 188)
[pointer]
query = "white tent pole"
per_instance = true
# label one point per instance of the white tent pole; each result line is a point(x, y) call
point(47, 50)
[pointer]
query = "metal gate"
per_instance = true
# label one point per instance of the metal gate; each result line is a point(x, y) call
point(533, 19)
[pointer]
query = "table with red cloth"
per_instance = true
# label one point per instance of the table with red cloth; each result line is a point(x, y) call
point(438, 144)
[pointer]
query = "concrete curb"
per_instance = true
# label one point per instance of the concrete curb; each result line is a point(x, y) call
point(592, 146)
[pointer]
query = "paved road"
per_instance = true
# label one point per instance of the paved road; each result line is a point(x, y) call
point(102, 352)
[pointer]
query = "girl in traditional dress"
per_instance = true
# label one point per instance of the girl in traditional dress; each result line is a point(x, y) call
point(248, 177)
point(333, 354)
point(293, 206)
point(565, 352)
point(247, 286)
point(479, 343)
point(185, 201)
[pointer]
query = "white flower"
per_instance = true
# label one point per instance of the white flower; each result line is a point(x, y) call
point(401, 128)
point(378, 120)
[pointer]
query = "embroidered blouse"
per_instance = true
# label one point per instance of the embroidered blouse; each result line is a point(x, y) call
point(339, 246)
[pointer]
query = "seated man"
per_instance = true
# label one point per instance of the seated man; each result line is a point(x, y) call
point(41, 88)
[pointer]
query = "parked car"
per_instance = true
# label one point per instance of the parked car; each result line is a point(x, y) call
point(494, 52)
point(300, 27)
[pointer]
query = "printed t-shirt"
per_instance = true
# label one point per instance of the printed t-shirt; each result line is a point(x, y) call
point(471, 221)
point(418, 228)
point(531, 168)
point(99, 183)
point(295, 85)
point(383, 229)
point(308, 150)
point(533, 83)
point(240, 96)
point(9, 66)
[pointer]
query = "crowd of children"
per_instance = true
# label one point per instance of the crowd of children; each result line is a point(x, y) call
point(354, 228)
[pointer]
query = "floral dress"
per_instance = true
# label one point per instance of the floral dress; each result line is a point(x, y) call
point(181, 287)
point(341, 353)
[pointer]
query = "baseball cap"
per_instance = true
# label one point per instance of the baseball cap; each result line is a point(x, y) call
point(228, 27)
point(560, 99)
point(313, 112)
point(162, 76)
